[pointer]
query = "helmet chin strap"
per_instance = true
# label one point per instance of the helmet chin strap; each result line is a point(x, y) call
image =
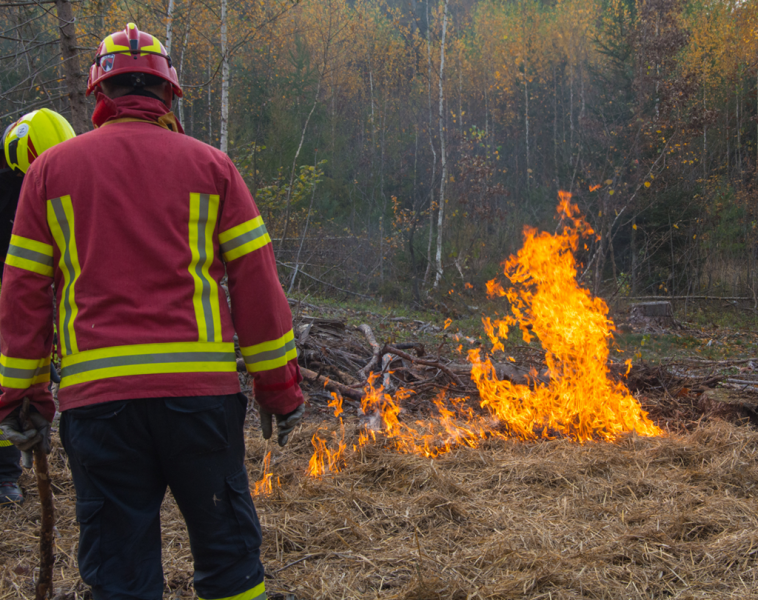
point(168, 96)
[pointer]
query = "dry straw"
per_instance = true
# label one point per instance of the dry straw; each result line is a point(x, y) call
point(669, 517)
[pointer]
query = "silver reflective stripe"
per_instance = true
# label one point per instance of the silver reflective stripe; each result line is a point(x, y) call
point(146, 359)
point(244, 238)
point(16, 373)
point(60, 216)
point(202, 221)
point(270, 354)
point(37, 257)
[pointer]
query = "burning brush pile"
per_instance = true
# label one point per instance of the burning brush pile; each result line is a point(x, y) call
point(575, 398)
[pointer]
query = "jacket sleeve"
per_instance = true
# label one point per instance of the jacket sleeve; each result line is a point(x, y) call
point(26, 307)
point(260, 311)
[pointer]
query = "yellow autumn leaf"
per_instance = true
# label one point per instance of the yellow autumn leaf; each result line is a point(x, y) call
point(647, 184)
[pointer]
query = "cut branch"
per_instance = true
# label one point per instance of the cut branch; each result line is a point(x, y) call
point(429, 363)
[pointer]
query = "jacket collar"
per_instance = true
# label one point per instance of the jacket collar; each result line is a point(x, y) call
point(134, 108)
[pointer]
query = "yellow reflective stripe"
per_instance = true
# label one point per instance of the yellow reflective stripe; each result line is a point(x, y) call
point(30, 255)
point(23, 363)
point(256, 593)
point(154, 47)
point(274, 363)
point(5, 443)
point(244, 238)
point(21, 373)
point(238, 230)
point(270, 355)
point(202, 225)
point(266, 346)
point(147, 359)
point(28, 265)
point(33, 245)
point(60, 218)
point(111, 46)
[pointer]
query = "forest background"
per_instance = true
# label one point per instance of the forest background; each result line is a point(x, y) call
point(399, 147)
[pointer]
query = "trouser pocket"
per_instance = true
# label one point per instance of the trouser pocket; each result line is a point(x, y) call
point(88, 514)
point(241, 502)
point(197, 425)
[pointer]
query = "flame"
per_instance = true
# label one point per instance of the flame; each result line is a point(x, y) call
point(325, 458)
point(577, 400)
point(264, 486)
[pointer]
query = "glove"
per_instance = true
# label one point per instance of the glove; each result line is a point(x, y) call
point(284, 423)
point(37, 431)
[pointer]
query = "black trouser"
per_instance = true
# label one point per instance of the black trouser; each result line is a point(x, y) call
point(10, 469)
point(123, 455)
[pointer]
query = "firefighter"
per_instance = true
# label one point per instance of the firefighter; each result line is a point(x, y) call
point(137, 224)
point(23, 141)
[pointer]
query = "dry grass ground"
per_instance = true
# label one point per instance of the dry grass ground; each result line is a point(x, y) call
point(669, 517)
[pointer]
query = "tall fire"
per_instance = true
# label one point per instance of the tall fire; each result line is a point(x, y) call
point(580, 401)
point(575, 398)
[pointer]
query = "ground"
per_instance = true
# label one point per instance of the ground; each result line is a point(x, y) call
point(672, 516)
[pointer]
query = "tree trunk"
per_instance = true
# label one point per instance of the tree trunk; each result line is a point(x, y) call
point(443, 156)
point(294, 166)
point(71, 70)
point(224, 133)
point(431, 145)
point(526, 125)
point(169, 25)
point(180, 103)
point(210, 112)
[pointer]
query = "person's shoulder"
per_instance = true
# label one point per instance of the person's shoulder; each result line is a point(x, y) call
point(199, 147)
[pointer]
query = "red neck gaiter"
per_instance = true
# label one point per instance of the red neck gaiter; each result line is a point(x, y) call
point(140, 108)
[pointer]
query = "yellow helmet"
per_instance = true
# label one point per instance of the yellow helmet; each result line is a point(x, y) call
point(32, 134)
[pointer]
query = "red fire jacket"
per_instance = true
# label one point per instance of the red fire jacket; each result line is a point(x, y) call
point(136, 224)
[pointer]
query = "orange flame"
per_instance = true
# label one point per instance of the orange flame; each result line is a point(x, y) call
point(578, 400)
point(325, 458)
point(264, 486)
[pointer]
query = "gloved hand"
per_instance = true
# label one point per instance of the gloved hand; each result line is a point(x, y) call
point(37, 431)
point(284, 423)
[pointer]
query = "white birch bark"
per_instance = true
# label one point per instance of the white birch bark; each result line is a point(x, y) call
point(443, 156)
point(224, 131)
point(169, 25)
point(180, 103)
point(431, 145)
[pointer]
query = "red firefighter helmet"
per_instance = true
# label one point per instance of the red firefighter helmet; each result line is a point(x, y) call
point(132, 51)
